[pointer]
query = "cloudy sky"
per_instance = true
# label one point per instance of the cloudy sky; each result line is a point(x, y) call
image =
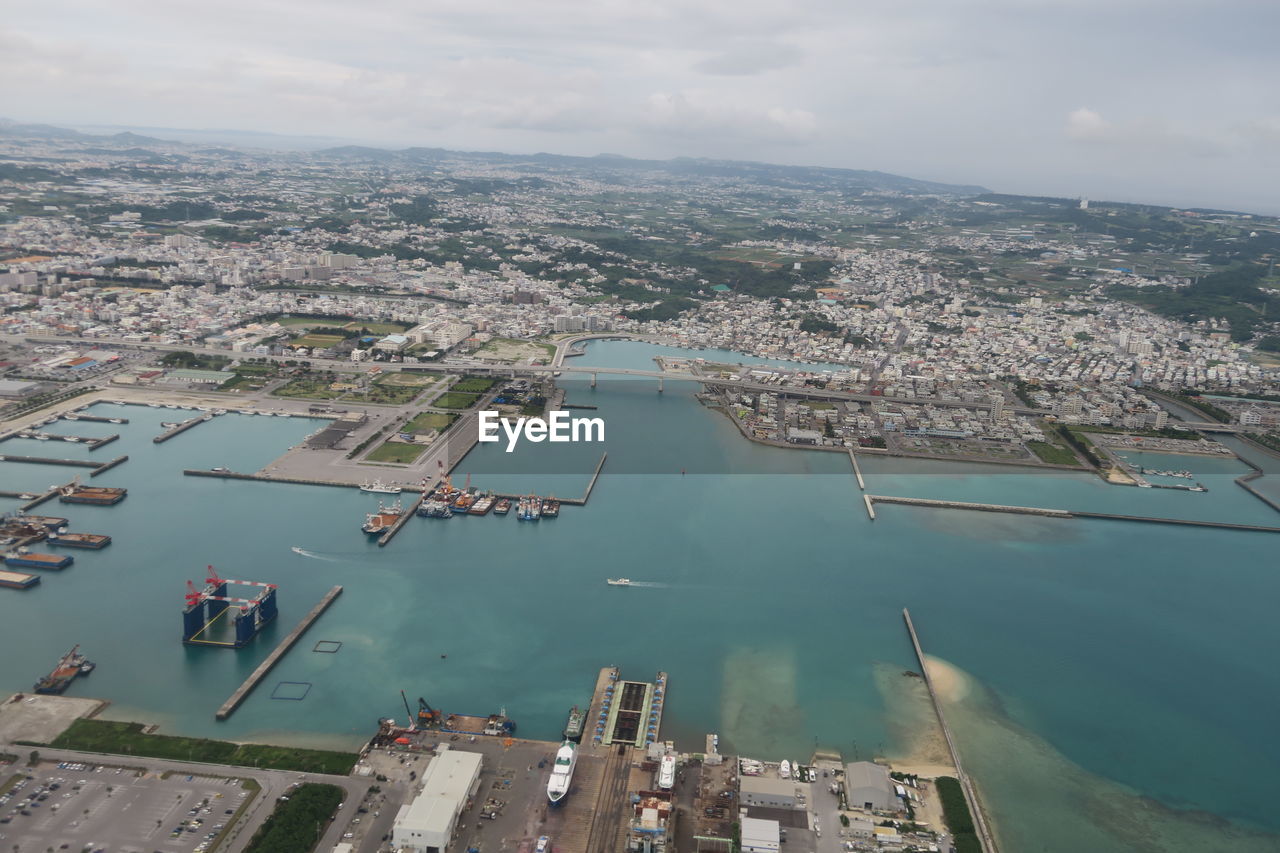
point(1168, 101)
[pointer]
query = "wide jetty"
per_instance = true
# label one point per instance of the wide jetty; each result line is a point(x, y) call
point(242, 692)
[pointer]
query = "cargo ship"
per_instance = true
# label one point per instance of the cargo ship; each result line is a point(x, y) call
point(28, 560)
point(18, 580)
point(382, 520)
point(562, 772)
point(551, 508)
point(72, 664)
point(573, 726)
point(483, 504)
point(92, 541)
point(96, 495)
point(502, 507)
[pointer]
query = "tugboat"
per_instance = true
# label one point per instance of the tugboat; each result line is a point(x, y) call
point(384, 519)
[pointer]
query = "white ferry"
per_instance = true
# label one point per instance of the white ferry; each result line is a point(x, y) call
point(562, 772)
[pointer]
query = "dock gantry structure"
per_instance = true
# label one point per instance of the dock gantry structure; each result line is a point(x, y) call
point(206, 607)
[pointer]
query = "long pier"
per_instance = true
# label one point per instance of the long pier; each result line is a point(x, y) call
point(985, 836)
point(1023, 510)
point(409, 513)
point(262, 478)
point(1058, 513)
point(242, 692)
point(179, 429)
point(596, 476)
point(88, 441)
point(97, 419)
point(857, 471)
point(107, 466)
point(43, 460)
point(47, 496)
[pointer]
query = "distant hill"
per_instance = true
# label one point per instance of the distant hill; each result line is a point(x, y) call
point(763, 173)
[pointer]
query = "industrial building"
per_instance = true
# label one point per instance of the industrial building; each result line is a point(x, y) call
point(768, 792)
point(427, 824)
point(867, 786)
point(760, 836)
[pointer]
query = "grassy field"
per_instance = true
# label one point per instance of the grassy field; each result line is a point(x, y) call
point(1054, 454)
point(473, 385)
point(428, 421)
point(127, 739)
point(307, 389)
point(510, 349)
point(395, 451)
point(312, 341)
point(455, 400)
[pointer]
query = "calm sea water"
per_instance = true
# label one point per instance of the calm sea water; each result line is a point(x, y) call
point(1122, 682)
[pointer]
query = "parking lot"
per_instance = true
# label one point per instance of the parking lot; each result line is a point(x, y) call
point(78, 807)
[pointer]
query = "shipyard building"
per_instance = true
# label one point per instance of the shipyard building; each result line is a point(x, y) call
point(427, 824)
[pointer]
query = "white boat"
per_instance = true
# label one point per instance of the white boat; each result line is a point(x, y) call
point(667, 773)
point(562, 772)
point(379, 487)
point(71, 438)
point(618, 581)
point(784, 769)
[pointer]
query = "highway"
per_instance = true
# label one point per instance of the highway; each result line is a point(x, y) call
point(481, 367)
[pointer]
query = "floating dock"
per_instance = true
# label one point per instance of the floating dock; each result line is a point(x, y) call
point(92, 541)
point(39, 561)
point(18, 580)
point(96, 419)
point(985, 836)
point(107, 466)
point(242, 692)
point(93, 495)
point(181, 428)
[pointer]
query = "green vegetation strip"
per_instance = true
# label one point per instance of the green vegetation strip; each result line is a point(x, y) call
point(121, 738)
point(297, 824)
point(1053, 453)
point(956, 813)
point(454, 400)
point(427, 421)
point(396, 451)
point(473, 384)
point(8, 786)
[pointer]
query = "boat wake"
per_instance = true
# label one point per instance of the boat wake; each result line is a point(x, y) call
point(312, 554)
point(650, 584)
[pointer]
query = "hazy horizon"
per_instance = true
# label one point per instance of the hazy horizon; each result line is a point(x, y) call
point(1164, 103)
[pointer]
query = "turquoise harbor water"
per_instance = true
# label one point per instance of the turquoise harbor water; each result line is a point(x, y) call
point(1121, 684)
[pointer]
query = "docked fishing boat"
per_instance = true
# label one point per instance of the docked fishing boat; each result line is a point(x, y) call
point(379, 487)
point(432, 508)
point(551, 508)
point(502, 507)
point(562, 772)
point(530, 508)
point(376, 523)
point(573, 725)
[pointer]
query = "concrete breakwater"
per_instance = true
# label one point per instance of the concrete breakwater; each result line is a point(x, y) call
point(242, 692)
